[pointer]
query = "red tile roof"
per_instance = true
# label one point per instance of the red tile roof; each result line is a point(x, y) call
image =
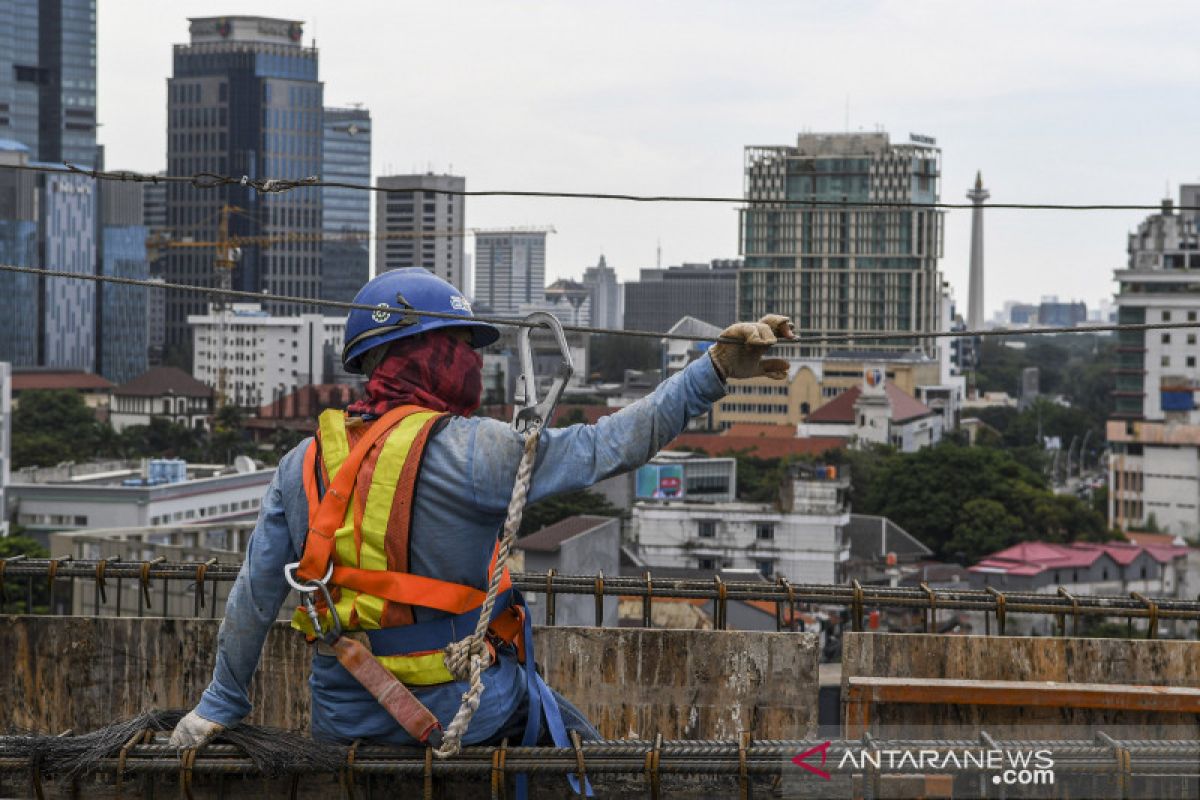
point(1033, 558)
point(309, 401)
point(841, 408)
point(756, 446)
point(760, 429)
point(159, 381)
point(57, 380)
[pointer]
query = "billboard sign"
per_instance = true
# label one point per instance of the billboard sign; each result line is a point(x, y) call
point(660, 482)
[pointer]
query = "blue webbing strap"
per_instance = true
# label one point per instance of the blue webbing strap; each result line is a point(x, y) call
point(541, 704)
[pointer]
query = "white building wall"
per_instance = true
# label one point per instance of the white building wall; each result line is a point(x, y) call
point(1171, 480)
point(265, 357)
point(803, 548)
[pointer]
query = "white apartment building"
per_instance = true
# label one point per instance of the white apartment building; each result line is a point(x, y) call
point(266, 357)
point(802, 538)
point(421, 227)
point(1154, 470)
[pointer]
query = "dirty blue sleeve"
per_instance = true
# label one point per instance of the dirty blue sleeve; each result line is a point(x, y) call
point(580, 455)
point(257, 594)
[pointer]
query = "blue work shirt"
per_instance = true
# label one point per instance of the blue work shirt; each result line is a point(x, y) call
point(461, 501)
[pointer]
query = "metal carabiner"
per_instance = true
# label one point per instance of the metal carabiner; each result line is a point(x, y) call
point(528, 413)
point(307, 590)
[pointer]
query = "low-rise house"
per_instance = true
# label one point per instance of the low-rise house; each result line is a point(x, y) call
point(162, 392)
point(95, 389)
point(877, 412)
point(579, 545)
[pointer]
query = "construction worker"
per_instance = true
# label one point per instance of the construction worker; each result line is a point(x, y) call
point(440, 480)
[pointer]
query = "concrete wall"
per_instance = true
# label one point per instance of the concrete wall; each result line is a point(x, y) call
point(589, 553)
point(1019, 658)
point(82, 673)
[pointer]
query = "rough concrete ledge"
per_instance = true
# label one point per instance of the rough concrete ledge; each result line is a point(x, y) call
point(81, 673)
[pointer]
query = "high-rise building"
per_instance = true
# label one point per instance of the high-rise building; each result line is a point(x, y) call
point(244, 99)
point(154, 206)
point(346, 213)
point(843, 270)
point(1154, 469)
point(19, 305)
point(121, 331)
point(48, 78)
point(419, 226)
point(662, 297)
point(606, 295)
point(510, 270)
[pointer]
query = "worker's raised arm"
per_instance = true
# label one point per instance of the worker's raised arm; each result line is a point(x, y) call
point(256, 597)
point(580, 455)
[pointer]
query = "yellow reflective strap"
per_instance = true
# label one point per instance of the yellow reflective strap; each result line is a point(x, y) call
point(378, 510)
point(423, 670)
point(335, 446)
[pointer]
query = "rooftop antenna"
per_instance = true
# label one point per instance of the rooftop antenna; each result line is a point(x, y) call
point(658, 259)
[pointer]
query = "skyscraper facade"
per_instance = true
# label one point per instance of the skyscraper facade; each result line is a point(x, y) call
point(48, 78)
point(510, 270)
point(606, 295)
point(244, 99)
point(67, 241)
point(841, 271)
point(421, 227)
point(19, 303)
point(662, 297)
point(346, 213)
point(121, 331)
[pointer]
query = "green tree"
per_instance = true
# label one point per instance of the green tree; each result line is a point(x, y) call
point(985, 526)
point(15, 599)
point(229, 437)
point(50, 427)
point(553, 509)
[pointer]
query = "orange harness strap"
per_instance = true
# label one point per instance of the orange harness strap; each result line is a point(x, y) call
point(318, 547)
point(414, 590)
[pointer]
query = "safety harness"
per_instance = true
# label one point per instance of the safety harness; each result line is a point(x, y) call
point(357, 591)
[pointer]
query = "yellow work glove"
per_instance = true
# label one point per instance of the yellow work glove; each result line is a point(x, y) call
point(746, 360)
point(194, 730)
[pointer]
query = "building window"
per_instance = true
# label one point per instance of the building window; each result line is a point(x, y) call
point(1191, 316)
point(706, 529)
point(706, 563)
point(1166, 318)
point(1104, 574)
point(1166, 361)
point(766, 568)
point(1166, 337)
point(1191, 361)
point(1191, 338)
point(764, 531)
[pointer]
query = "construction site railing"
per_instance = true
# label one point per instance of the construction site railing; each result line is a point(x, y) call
point(205, 577)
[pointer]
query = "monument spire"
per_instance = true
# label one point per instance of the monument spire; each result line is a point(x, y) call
point(975, 310)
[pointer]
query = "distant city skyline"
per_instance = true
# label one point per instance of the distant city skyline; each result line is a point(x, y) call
point(1048, 100)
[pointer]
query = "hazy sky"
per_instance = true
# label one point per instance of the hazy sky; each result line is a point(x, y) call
point(1064, 102)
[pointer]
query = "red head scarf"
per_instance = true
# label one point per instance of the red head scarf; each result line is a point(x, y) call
point(435, 370)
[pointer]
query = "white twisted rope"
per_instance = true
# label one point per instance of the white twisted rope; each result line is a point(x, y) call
point(467, 659)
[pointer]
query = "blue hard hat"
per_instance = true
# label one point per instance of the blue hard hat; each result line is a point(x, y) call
point(415, 288)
